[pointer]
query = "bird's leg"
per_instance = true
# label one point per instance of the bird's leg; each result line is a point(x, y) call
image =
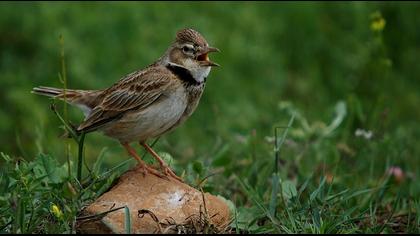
point(142, 165)
point(166, 170)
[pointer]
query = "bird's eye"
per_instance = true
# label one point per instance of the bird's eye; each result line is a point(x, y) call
point(188, 49)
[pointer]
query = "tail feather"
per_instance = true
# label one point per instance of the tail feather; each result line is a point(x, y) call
point(57, 92)
point(47, 91)
point(71, 94)
point(84, 99)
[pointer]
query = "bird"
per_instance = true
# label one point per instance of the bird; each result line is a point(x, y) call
point(149, 102)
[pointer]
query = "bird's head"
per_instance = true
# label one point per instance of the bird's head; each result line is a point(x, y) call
point(190, 51)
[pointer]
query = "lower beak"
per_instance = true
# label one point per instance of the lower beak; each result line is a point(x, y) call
point(208, 63)
point(205, 59)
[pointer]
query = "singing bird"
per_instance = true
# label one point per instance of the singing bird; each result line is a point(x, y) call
point(149, 102)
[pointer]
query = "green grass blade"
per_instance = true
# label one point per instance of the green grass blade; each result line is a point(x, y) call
point(274, 192)
point(127, 222)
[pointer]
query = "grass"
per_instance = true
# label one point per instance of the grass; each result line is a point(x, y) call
point(323, 203)
point(271, 196)
point(318, 133)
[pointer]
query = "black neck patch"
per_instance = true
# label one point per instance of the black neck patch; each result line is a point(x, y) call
point(183, 74)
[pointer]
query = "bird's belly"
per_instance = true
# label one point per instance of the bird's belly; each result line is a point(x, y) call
point(151, 122)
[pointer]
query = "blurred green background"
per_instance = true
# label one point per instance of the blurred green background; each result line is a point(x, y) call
point(312, 55)
point(347, 71)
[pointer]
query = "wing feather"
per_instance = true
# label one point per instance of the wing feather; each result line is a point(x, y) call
point(137, 91)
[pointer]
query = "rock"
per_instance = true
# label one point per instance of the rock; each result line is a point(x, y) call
point(156, 205)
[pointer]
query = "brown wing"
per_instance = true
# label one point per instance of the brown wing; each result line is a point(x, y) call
point(137, 91)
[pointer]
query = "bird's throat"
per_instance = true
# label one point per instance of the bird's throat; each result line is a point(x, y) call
point(185, 75)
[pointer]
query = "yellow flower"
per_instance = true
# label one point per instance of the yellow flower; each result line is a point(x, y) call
point(56, 211)
point(378, 22)
point(378, 25)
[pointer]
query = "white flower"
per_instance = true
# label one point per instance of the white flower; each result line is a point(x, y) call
point(367, 134)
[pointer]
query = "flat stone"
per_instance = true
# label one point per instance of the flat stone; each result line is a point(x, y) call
point(166, 206)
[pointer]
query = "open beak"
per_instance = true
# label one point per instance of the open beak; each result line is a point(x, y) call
point(203, 58)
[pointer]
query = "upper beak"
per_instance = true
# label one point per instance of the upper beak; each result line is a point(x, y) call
point(204, 59)
point(212, 49)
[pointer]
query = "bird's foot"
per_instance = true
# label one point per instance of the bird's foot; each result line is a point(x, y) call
point(168, 172)
point(149, 170)
point(165, 169)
